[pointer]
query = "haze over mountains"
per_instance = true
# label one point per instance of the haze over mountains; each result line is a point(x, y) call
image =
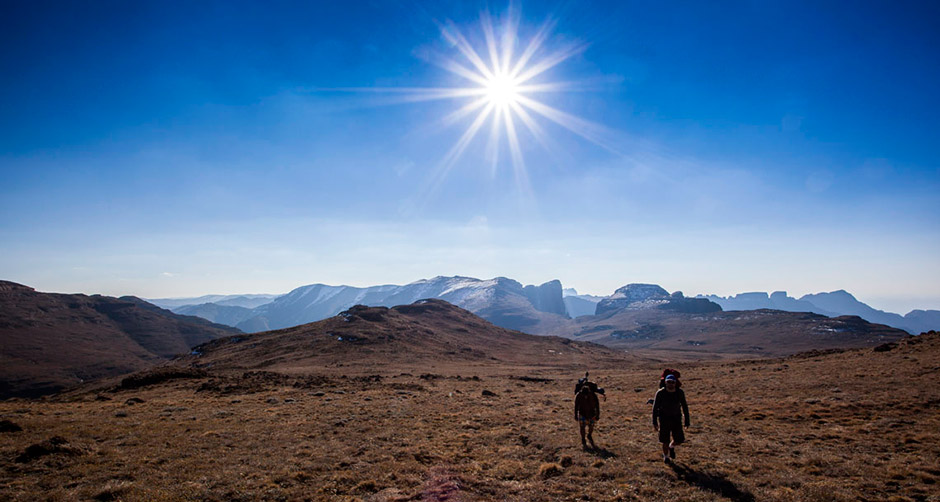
point(509, 304)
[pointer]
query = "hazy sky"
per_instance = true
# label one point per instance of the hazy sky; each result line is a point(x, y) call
point(178, 149)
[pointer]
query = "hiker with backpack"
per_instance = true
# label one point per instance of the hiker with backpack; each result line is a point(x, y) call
point(587, 408)
point(669, 406)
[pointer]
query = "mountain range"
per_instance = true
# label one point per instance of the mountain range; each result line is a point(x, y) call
point(831, 304)
point(505, 302)
point(543, 309)
point(49, 341)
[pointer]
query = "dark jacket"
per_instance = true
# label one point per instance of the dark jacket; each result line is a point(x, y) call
point(586, 405)
point(670, 405)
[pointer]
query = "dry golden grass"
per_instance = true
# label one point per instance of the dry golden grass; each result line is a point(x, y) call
point(858, 425)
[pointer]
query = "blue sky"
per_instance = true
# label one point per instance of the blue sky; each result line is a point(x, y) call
point(163, 149)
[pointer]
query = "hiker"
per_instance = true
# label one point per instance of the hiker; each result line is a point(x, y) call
point(668, 408)
point(587, 408)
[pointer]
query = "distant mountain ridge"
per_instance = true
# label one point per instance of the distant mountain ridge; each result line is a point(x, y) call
point(222, 314)
point(534, 309)
point(831, 304)
point(580, 305)
point(244, 301)
point(505, 302)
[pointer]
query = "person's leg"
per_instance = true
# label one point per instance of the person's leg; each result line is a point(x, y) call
point(590, 431)
point(678, 437)
point(664, 439)
point(581, 423)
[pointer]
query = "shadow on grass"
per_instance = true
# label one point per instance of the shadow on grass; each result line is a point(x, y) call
point(715, 483)
point(603, 453)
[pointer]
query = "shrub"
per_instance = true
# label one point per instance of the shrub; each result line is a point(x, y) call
point(550, 470)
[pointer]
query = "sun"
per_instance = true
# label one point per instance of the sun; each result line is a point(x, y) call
point(502, 91)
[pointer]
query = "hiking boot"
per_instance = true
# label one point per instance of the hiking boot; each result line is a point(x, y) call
point(666, 459)
point(672, 453)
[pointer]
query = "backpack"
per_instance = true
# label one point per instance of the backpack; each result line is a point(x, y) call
point(592, 386)
point(585, 382)
point(667, 372)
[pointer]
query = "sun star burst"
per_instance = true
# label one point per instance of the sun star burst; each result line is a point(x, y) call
point(501, 91)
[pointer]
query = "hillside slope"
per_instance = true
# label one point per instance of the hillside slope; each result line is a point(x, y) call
point(49, 341)
point(424, 334)
point(757, 333)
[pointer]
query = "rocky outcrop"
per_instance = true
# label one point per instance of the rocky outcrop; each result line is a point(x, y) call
point(652, 296)
point(547, 297)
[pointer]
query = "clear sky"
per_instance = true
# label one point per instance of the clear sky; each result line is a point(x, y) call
point(178, 149)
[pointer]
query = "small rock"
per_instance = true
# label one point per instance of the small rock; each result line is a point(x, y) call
point(134, 400)
point(318, 393)
point(99, 397)
point(638, 389)
point(272, 400)
point(489, 393)
point(885, 347)
point(290, 400)
point(121, 414)
point(339, 392)
point(222, 414)
point(235, 401)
